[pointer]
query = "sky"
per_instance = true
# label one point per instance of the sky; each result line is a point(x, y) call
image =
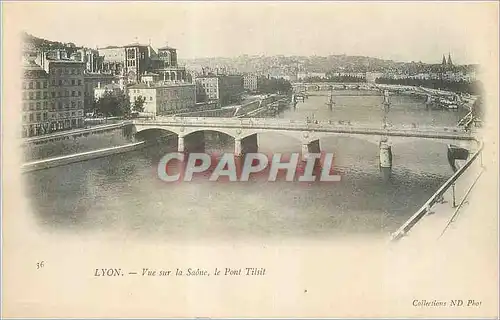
point(389, 30)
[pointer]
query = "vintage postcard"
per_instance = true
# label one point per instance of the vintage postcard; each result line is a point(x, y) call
point(250, 159)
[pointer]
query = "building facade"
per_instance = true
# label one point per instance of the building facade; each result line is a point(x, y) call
point(35, 100)
point(134, 60)
point(165, 65)
point(137, 61)
point(67, 88)
point(225, 89)
point(113, 60)
point(149, 77)
point(90, 57)
point(250, 82)
point(207, 88)
point(164, 98)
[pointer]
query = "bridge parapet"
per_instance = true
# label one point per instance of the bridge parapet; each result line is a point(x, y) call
point(341, 126)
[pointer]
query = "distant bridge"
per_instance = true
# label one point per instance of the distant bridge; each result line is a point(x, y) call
point(323, 86)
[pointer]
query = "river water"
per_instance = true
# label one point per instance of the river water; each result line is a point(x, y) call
point(122, 193)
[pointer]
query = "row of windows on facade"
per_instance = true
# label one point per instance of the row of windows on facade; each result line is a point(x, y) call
point(131, 54)
point(60, 82)
point(166, 93)
point(66, 71)
point(172, 98)
point(63, 82)
point(210, 85)
point(31, 117)
point(38, 128)
point(38, 94)
point(200, 89)
point(39, 116)
point(60, 105)
point(150, 98)
point(35, 85)
point(91, 86)
point(208, 90)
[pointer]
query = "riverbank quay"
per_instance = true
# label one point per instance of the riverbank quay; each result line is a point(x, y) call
point(84, 156)
point(76, 141)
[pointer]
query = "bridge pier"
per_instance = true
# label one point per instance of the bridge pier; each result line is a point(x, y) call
point(246, 145)
point(312, 147)
point(129, 132)
point(385, 159)
point(180, 144)
point(237, 147)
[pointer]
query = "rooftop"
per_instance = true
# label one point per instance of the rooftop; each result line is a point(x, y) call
point(160, 85)
point(65, 61)
point(110, 86)
point(110, 47)
point(99, 74)
point(31, 65)
point(166, 48)
point(207, 76)
point(136, 44)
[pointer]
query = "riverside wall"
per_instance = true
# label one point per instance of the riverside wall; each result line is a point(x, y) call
point(70, 144)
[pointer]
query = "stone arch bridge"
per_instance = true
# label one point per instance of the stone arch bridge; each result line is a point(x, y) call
point(244, 131)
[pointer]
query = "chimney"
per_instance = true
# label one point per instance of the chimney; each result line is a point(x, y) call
point(99, 85)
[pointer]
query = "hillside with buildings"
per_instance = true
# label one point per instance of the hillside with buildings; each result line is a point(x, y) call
point(33, 43)
point(297, 68)
point(64, 81)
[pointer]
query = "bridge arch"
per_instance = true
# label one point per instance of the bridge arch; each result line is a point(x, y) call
point(226, 131)
point(296, 136)
point(154, 133)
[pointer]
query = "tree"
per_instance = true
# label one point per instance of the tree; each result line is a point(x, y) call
point(113, 103)
point(272, 85)
point(138, 105)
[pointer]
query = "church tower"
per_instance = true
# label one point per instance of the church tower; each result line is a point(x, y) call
point(444, 61)
point(450, 63)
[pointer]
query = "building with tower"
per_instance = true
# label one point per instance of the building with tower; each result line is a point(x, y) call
point(130, 61)
point(135, 60)
point(447, 65)
point(165, 65)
